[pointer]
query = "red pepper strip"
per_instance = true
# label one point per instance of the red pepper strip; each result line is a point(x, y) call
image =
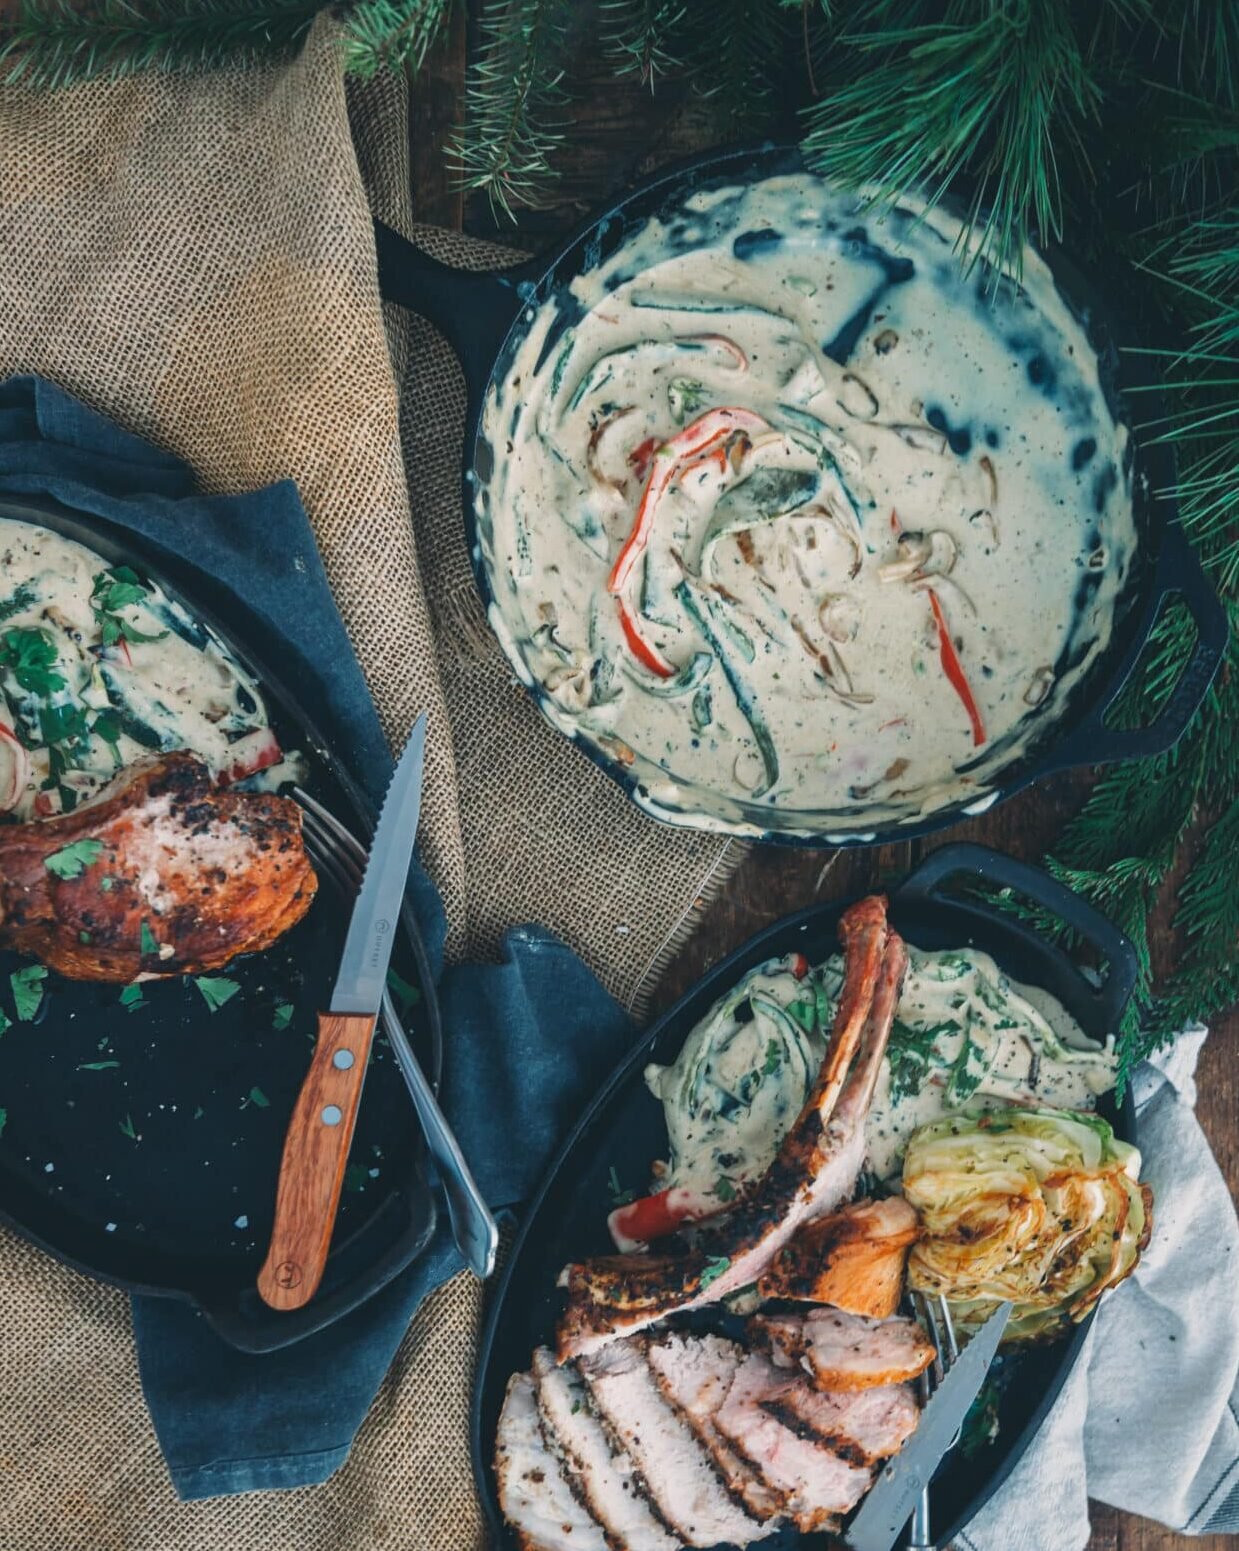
point(257, 750)
point(799, 966)
point(654, 1217)
point(896, 525)
point(954, 670)
point(639, 457)
point(723, 343)
point(643, 650)
point(693, 439)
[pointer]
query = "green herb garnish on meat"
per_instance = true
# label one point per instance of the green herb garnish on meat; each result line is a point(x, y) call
point(216, 990)
point(27, 984)
point(71, 861)
point(714, 1269)
point(148, 941)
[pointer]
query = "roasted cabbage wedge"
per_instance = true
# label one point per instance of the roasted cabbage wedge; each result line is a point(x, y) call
point(1039, 1206)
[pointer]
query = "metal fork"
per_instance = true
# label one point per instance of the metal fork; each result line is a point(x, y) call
point(935, 1315)
point(338, 852)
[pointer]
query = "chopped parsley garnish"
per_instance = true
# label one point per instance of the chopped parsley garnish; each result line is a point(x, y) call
point(910, 1053)
point(724, 1189)
point(71, 861)
point(282, 1015)
point(774, 1058)
point(27, 984)
point(17, 602)
point(106, 884)
point(96, 1066)
point(31, 657)
point(406, 996)
point(126, 1126)
point(803, 1013)
point(149, 942)
point(116, 589)
point(216, 989)
point(4, 1120)
point(714, 1269)
point(131, 998)
point(619, 1196)
point(257, 1097)
point(62, 724)
point(5, 1021)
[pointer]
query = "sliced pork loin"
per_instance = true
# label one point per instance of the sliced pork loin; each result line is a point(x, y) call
point(862, 1426)
point(845, 1351)
point(533, 1491)
point(814, 1171)
point(604, 1478)
point(695, 1373)
point(819, 1485)
point(684, 1484)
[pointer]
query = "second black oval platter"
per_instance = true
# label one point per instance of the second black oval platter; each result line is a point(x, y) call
point(623, 1129)
point(142, 1145)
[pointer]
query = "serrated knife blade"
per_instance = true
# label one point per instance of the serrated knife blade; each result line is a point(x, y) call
point(372, 928)
point(890, 1501)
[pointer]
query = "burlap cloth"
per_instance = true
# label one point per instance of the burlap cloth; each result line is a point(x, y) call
point(194, 258)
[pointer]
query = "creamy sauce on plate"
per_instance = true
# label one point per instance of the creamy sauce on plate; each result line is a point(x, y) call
point(965, 1036)
point(803, 527)
point(98, 667)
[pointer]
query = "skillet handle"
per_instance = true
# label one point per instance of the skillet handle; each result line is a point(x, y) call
point(472, 309)
point(924, 883)
point(1179, 572)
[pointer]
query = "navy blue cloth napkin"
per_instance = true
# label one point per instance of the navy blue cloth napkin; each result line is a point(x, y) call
point(526, 1041)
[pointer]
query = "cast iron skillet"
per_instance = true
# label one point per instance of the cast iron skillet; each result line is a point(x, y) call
point(183, 1207)
point(622, 1130)
point(484, 317)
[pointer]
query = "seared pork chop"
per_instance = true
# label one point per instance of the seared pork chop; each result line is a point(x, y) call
point(845, 1351)
point(854, 1259)
point(533, 1493)
point(157, 875)
point(605, 1478)
point(818, 1483)
point(680, 1475)
point(814, 1171)
point(695, 1374)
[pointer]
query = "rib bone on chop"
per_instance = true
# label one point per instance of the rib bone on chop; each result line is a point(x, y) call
point(210, 874)
point(814, 1171)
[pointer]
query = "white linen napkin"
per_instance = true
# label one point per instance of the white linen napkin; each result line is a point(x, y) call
point(1148, 1421)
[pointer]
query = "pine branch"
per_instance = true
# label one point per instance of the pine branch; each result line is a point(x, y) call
point(642, 37)
point(1207, 979)
point(738, 57)
point(54, 43)
point(996, 89)
point(515, 103)
point(394, 34)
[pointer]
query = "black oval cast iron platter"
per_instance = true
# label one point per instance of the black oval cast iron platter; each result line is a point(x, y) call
point(142, 1147)
point(623, 1130)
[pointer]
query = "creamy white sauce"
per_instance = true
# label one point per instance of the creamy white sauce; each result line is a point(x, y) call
point(87, 690)
point(811, 692)
point(965, 1036)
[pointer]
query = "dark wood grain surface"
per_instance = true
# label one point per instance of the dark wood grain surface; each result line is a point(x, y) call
point(619, 131)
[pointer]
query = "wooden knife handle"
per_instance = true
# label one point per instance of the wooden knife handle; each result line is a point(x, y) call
point(316, 1147)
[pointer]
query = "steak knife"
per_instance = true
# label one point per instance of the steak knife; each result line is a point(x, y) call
point(320, 1131)
point(889, 1504)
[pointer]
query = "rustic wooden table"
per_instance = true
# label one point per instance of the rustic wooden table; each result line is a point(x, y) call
point(620, 132)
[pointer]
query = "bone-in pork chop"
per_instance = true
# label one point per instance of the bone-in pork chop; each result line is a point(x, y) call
point(160, 874)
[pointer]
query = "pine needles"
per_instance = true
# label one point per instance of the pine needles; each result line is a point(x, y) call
point(998, 90)
point(394, 34)
point(52, 43)
point(516, 102)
